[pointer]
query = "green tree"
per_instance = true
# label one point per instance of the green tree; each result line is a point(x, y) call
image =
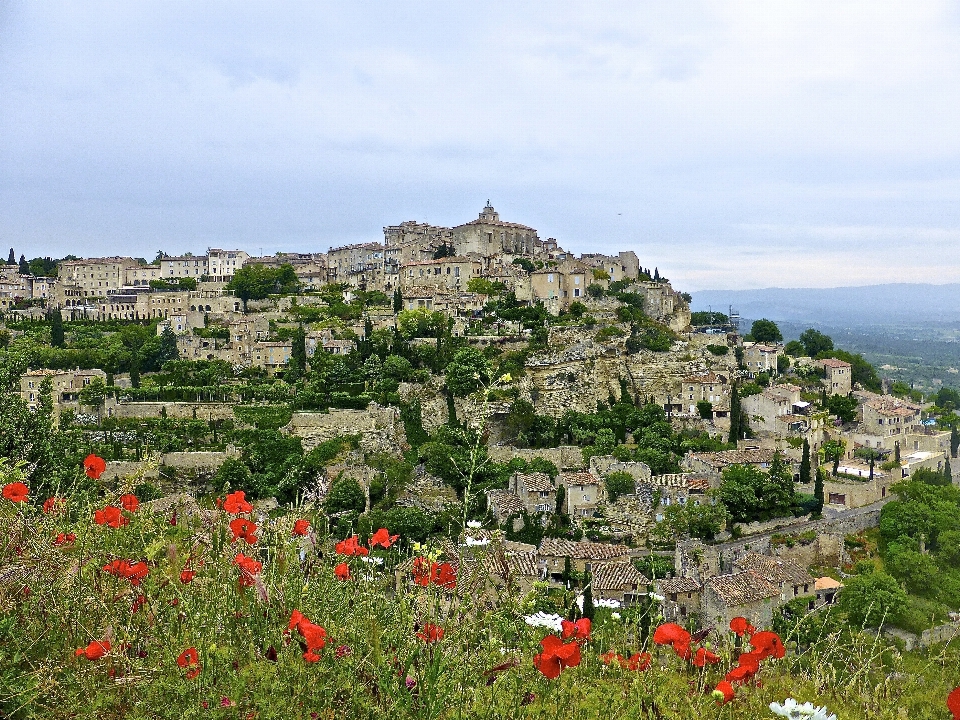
point(619, 484)
point(815, 342)
point(93, 394)
point(794, 348)
point(764, 330)
point(871, 599)
point(805, 463)
point(298, 352)
point(954, 441)
point(833, 451)
point(844, 407)
point(57, 338)
point(12, 258)
point(24, 265)
point(818, 490)
point(345, 495)
point(561, 502)
point(467, 372)
point(397, 301)
point(705, 409)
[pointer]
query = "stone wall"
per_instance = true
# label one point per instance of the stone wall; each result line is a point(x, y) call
point(179, 410)
point(603, 465)
point(565, 457)
point(786, 523)
point(380, 428)
point(193, 462)
point(826, 549)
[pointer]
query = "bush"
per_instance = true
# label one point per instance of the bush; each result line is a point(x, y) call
point(718, 349)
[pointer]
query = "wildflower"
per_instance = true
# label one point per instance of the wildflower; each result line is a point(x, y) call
point(445, 576)
point(953, 703)
point(579, 630)
point(129, 502)
point(314, 636)
point(138, 602)
point(431, 633)
point(301, 527)
point(749, 665)
point(249, 569)
point(187, 575)
point(555, 656)
point(768, 644)
point(637, 662)
point(53, 504)
point(226, 702)
point(110, 516)
point(65, 539)
point(342, 571)
point(134, 572)
point(383, 538)
point(410, 683)
point(422, 571)
point(236, 504)
point(95, 650)
point(795, 711)
point(609, 656)
point(243, 529)
point(541, 619)
point(704, 657)
point(342, 651)
point(351, 546)
point(673, 634)
point(94, 466)
point(742, 627)
point(16, 492)
point(724, 692)
point(189, 660)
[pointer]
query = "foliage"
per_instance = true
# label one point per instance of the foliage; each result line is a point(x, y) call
point(870, 599)
point(255, 281)
point(619, 484)
point(764, 330)
point(703, 317)
point(345, 495)
point(718, 349)
point(467, 372)
point(483, 286)
point(750, 493)
point(815, 342)
point(843, 406)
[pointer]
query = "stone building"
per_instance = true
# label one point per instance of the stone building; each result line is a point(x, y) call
point(559, 286)
point(760, 357)
point(95, 277)
point(535, 490)
point(705, 387)
point(681, 598)
point(65, 386)
point(583, 556)
point(489, 235)
point(717, 462)
point(451, 273)
point(184, 266)
point(582, 493)
point(619, 581)
point(223, 264)
point(625, 266)
point(141, 275)
point(740, 594)
point(839, 380)
point(793, 580)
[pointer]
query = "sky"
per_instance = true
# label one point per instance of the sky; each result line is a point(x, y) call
point(729, 144)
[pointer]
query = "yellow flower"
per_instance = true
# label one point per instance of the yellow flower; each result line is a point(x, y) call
point(505, 378)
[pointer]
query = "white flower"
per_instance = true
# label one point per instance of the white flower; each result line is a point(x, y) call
point(795, 711)
point(472, 542)
point(604, 603)
point(658, 598)
point(374, 560)
point(473, 524)
point(615, 616)
point(542, 619)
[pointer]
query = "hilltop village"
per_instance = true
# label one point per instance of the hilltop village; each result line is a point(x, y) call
point(564, 418)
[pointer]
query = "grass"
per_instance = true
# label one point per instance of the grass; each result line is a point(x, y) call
point(54, 599)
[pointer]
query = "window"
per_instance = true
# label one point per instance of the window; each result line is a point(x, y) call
point(550, 277)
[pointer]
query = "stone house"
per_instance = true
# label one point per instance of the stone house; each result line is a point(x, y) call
point(618, 580)
point(705, 387)
point(681, 598)
point(887, 416)
point(535, 490)
point(554, 552)
point(489, 235)
point(793, 580)
point(65, 386)
point(827, 590)
point(839, 493)
point(223, 264)
point(583, 492)
point(661, 491)
point(449, 273)
point(94, 277)
point(625, 266)
point(184, 266)
point(560, 286)
point(503, 504)
point(759, 357)
point(717, 462)
point(839, 379)
point(141, 275)
point(767, 407)
point(745, 594)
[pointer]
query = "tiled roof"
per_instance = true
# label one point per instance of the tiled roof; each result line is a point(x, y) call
point(774, 569)
point(582, 550)
point(618, 576)
point(834, 363)
point(886, 406)
point(524, 564)
point(736, 457)
point(691, 481)
point(827, 583)
point(572, 478)
point(677, 585)
point(507, 503)
point(742, 588)
point(535, 482)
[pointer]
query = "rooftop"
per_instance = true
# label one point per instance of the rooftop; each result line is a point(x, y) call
point(678, 585)
point(535, 482)
point(742, 588)
point(554, 547)
point(574, 478)
point(774, 569)
point(618, 576)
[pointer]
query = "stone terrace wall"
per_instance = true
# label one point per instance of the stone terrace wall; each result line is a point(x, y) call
point(178, 410)
point(565, 457)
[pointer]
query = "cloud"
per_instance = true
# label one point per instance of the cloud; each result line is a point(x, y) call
point(696, 134)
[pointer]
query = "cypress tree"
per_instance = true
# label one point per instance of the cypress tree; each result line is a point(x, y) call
point(948, 471)
point(135, 371)
point(24, 265)
point(561, 498)
point(954, 441)
point(452, 420)
point(588, 611)
point(57, 337)
point(896, 451)
point(12, 258)
point(805, 463)
point(298, 351)
point(397, 301)
point(818, 490)
point(734, 415)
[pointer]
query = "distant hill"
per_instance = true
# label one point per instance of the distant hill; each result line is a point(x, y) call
point(886, 305)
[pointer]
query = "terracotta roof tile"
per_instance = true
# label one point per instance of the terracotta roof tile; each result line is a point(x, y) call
point(554, 547)
point(774, 569)
point(742, 588)
point(677, 585)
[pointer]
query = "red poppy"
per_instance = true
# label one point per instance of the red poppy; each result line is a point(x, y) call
point(670, 634)
point(351, 546)
point(134, 572)
point(724, 692)
point(609, 656)
point(236, 503)
point(190, 661)
point(383, 538)
point(555, 656)
point(138, 602)
point(110, 516)
point(301, 527)
point(94, 466)
point(187, 575)
point(579, 630)
point(243, 529)
point(953, 703)
point(314, 636)
point(637, 661)
point(445, 576)
point(65, 539)
point(421, 571)
point(95, 650)
point(53, 504)
point(742, 627)
point(249, 569)
point(129, 502)
point(15, 492)
point(768, 644)
point(342, 571)
point(705, 657)
point(682, 649)
point(431, 633)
